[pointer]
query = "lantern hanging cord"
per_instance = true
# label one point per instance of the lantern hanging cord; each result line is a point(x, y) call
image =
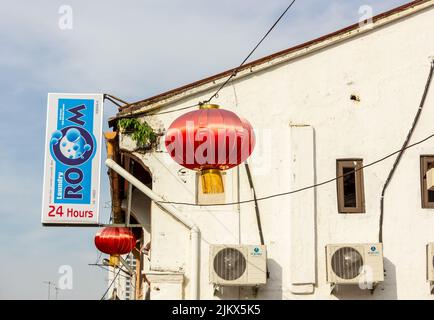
point(235, 71)
point(231, 76)
point(305, 188)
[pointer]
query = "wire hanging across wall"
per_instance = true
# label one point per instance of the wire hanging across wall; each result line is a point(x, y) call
point(304, 188)
point(233, 74)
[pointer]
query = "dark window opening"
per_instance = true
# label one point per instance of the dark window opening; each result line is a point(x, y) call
point(426, 163)
point(350, 186)
point(430, 196)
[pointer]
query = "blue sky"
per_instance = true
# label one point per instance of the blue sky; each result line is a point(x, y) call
point(132, 49)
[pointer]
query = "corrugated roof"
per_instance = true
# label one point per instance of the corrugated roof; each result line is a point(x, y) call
point(396, 13)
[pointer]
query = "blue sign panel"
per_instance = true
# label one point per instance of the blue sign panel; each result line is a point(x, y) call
point(72, 159)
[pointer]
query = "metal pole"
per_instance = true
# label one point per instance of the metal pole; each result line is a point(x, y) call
point(130, 190)
point(194, 230)
point(126, 265)
point(129, 197)
point(49, 286)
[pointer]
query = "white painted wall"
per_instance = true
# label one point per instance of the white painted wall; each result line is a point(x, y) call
point(387, 68)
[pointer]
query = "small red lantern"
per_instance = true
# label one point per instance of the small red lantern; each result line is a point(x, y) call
point(115, 241)
point(210, 140)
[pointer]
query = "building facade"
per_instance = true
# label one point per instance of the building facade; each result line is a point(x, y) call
point(342, 101)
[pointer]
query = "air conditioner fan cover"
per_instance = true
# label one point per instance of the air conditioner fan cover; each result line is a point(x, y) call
point(347, 263)
point(230, 264)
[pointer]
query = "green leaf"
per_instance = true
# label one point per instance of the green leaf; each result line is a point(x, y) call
point(142, 133)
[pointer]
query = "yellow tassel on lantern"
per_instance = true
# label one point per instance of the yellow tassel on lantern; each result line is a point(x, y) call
point(212, 181)
point(114, 260)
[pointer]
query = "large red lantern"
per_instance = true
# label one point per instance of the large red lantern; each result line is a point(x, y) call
point(115, 241)
point(210, 140)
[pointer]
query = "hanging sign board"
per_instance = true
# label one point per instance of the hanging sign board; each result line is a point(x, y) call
point(72, 159)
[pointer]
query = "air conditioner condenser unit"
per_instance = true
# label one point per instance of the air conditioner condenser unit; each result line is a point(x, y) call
point(430, 261)
point(430, 265)
point(238, 265)
point(360, 264)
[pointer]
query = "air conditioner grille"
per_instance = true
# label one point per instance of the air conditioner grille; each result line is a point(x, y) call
point(230, 264)
point(347, 263)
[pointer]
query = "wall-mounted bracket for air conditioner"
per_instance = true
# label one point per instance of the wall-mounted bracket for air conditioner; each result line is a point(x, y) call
point(333, 286)
point(371, 286)
point(255, 291)
point(217, 289)
point(374, 286)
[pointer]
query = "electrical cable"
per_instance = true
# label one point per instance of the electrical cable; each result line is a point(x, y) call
point(145, 112)
point(401, 153)
point(234, 72)
point(301, 189)
point(102, 298)
point(258, 216)
point(232, 75)
point(170, 111)
point(104, 267)
point(99, 254)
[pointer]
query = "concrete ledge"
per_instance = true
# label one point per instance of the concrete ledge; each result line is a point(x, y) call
point(165, 285)
point(307, 288)
point(157, 277)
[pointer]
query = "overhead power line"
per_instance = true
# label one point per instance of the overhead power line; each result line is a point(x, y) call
point(174, 110)
point(304, 188)
point(234, 72)
point(231, 76)
point(111, 284)
point(104, 267)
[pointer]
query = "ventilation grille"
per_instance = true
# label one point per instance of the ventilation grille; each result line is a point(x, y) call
point(229, 264)
point(347, 263)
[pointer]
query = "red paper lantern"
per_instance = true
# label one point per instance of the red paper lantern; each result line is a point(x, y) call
point(210, 140)
point(115, 241)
